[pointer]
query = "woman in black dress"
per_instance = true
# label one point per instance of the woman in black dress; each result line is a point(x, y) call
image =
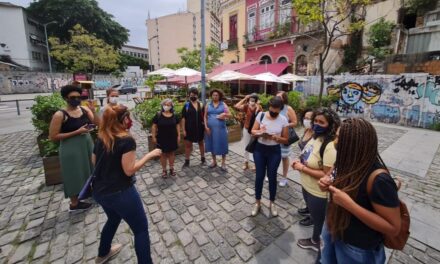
point(166, 135)
point(193, 126)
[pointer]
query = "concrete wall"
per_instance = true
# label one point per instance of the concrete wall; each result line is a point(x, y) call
point(12, 33)
point(408, 99)
point(12, 82)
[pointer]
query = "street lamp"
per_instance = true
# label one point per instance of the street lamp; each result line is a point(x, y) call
point(48, 54)
point(149, 49)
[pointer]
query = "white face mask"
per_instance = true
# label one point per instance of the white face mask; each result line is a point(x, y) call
point(307, 123)
point(166, 108)
point(251, 103)
point(113, 100)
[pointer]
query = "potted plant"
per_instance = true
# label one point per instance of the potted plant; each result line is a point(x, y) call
point(42, 112)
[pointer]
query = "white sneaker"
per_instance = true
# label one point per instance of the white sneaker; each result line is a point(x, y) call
point(283, 182)
point(266, 179)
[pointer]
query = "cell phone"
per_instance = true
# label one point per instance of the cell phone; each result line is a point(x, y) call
point(91, 126)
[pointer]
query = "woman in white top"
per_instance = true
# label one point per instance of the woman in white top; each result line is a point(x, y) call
point(272, 130)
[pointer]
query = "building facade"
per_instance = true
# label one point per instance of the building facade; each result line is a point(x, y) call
point(22, 38)
point(138, 52)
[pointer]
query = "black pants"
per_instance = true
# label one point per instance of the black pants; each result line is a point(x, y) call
point(317, 208)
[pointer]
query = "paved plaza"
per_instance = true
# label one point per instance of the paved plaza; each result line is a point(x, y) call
point(202, 215)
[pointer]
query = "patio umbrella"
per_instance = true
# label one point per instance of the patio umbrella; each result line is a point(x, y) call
point(226, 76)
point(165, 72)
point(269, 77)
point(186, 72)
point(293, 78)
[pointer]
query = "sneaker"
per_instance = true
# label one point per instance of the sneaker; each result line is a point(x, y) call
point(113, 251)
point(202, 161)
point(304, 211)
point(306, 221)
point(273, 210)
point(186, 164)
point(256, 209)
point(308, 244)
point(283, 182)
point(79, 207)
point(266, 179)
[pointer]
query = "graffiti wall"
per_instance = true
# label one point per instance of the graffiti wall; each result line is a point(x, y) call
point(409, 99)
point(12, 82)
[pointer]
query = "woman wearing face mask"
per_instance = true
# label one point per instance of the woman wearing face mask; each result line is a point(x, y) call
point(316, 160)
point(193, 126)
point(306, 137)
point(70, 127)
point(166, 135)
point(112, 100)
point(271, 128)
point(249, 106)
point(114, 187)
point(216, 137)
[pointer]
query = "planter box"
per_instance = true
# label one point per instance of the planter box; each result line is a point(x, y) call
point(52, 170)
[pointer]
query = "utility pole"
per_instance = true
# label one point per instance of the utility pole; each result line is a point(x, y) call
point(48, 55)
point(203, 51)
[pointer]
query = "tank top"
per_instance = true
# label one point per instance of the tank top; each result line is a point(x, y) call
point(74, 123)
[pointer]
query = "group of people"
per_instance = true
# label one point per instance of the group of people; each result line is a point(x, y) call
point(337, 158)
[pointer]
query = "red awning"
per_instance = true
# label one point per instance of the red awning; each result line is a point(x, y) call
point(275, 68)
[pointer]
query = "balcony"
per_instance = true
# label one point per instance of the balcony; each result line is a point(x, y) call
point(233, 44)
point(277, 32)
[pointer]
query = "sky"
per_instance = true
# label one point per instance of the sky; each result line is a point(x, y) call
point(132, 14)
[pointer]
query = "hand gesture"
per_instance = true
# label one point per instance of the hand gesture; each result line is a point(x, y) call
point(208, 131)
point(339, 197)
point(221, 116)
point(247, 97)
point(155, 153)
point(82, 130)
point(91, 105)
point(297, 165)
point(324, 183)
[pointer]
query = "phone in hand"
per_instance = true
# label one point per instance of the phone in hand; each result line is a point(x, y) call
point(91, 126)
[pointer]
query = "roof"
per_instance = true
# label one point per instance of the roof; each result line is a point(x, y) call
point(134, 47)
point(275, 68)
point(7, 4)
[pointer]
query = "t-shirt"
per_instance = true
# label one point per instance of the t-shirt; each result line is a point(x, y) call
point(310, 156)
point(110, 177)
point(249, 113)
point(273, 127)
point(383, 192)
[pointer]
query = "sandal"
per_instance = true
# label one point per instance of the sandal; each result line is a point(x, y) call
point(172, 172)
point(164, 174)
point(212, 165)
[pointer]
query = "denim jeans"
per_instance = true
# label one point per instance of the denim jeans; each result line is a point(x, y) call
point(267, 159)
point(126, 205)
point(339, 252)
point(317, 208)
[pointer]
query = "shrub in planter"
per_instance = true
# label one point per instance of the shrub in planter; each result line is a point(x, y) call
point(43, 110)
point(264, 100)
point(146, 110)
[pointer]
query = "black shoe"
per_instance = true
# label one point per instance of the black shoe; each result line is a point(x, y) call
point(203, 160)
point(79, 207)
point(186, 164)
point(303, 211)
point(306, 221)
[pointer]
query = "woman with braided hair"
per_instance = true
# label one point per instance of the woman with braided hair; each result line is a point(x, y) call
point(316, 160)
point(357, 218)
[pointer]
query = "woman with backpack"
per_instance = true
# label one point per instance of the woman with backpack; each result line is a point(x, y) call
point(316, 160)
point(166, 135)
point(250, 107)
point(364, 205)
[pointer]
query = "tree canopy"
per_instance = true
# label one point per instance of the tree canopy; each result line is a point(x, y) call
point(84, 52)
point(68, 13)
point(127, 60)
point(192, 58)
point(380, 38)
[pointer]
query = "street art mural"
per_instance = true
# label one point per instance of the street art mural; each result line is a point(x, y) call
point(409, 99)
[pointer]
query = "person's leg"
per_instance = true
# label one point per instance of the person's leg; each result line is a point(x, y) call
point(223, 161)
point(346, 253)
point(108, 231)
point(328, 254)
point(214, 161)
point(260, 165)
point(286, 163)
point(132, 211)
point(171, 159)
point(202, 151)
point(188, 150)
point(317, 207)
point(273, 161)
point(74, 200)
point(163, 163)
point(246, 139)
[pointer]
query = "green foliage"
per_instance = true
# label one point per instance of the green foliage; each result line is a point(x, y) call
point(312, 101)
point(264, 100)
point(50, 148)
point(420, 6)
point(295, 99)
point(235, 116)
point(152, 80)
point(147, 110)
point(68, 13)
point(84, 52)
point(380, 38)
point(352, 52)
point(127, 60)
point(43, 110)
point(192, 58)
point(220, 86)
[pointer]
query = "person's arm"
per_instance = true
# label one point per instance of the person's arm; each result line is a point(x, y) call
point(292, 117)
point(227, 114)
point(55, 128)
point(130, 165)
point(182, 122)
point(178, 133)
point(205, 119)
point(385, 220)
point(154, 133)
point(240, 105)
point(95, 117)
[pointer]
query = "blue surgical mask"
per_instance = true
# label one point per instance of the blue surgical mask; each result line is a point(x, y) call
point(319, 130)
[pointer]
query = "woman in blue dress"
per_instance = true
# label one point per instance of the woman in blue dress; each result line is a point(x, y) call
point(216, 136)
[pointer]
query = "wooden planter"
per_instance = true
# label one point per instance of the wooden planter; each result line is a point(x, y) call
point(52, 170)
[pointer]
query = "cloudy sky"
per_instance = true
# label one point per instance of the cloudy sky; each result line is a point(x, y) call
point(132, 14)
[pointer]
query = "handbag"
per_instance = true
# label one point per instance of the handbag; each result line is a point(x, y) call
point(86, 190)
point(253, 142)
point(396, 242)
point(293, 137)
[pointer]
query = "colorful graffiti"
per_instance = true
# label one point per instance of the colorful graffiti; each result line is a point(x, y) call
point(353, 96)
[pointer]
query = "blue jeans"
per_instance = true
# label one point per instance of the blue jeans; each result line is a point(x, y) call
point(267, 159)
point(339, 252)
point(127, 205)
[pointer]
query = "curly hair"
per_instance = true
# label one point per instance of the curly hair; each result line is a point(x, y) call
point(333, 124)
point(220, 93)
point(67, 89)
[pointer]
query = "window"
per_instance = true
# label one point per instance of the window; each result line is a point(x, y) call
point(265, 60)
point(285, 11)
point(267, 16)
point(233, 28)
point(282, 60)
point(36, 55)
point(251, 25)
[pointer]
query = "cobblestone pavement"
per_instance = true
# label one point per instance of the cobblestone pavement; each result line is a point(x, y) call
point(200, 216)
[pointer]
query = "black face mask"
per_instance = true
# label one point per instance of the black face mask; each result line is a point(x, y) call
point(193, 98)
point(273, 114)
point(74, 102)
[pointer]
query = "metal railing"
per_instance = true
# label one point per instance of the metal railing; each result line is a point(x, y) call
point(17, 103)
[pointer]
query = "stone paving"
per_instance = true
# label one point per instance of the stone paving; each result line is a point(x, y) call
point(200, 216)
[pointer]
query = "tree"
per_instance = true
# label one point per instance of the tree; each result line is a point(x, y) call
point(336, 18)
point(68, 13)
point(127, 60)
point(192, 58)
point(380, 38)
point(420, 6)
point(84, 52)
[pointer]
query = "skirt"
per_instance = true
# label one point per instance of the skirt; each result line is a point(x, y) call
point(285, 151)
point(76, 163)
